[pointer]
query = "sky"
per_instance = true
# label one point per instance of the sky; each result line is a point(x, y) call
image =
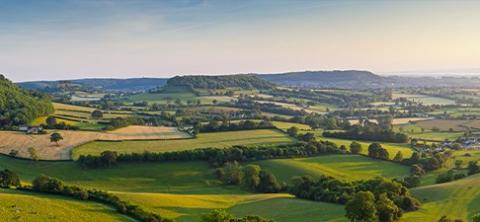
point(48, 40)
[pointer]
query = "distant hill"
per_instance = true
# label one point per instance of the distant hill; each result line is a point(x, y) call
point(328, 79)
point(18, 106)
point(129, 85)
point(245, 81)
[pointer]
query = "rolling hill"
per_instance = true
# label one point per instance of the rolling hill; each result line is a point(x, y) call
point(328, 79)
point(109, 85)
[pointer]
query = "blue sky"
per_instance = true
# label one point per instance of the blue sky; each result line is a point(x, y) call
point(45, 39)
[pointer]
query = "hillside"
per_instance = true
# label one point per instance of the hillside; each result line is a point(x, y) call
point(327, 79)
point(18, 106)
point(109, 85)
point(245, 82)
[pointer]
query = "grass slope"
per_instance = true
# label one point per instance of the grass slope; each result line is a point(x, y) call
point(203, 140)
point(178, 177)
point(23, 206)
point(459, 199)
point(344, 167)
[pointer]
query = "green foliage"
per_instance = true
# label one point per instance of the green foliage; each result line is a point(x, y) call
point(355, 147)
point(221, 215)
point(18, 106)
point(245, 82)
point(251, 176)
point(55, 138)
point(387, 211)
point(361, 207)
point(8, 179)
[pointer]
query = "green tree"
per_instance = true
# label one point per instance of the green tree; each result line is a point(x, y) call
point(398, 157)
point(51, 121)
point(458, 164)
point(251, 176)
point(55, 138)
point(268, 182)
point(8, 179)
point(355, 147)
point(97, 114)
point(219, 215)
point(292, 131)
point(361, 207)
point(387, 211)
point(476, 217)
point(473, 167)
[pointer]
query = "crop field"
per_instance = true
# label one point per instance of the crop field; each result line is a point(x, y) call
point(203, 140)
point(11, 140)
point(29, 207)
point(449, 125)
point(425, 100)
point(343, 167)
point(457, 111)
point(459, 199)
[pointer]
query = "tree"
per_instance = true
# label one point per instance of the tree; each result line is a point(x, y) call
point(268, 182)
point(219, 215)
point(473, 167)
point(355, 147)
point(387, 211)
point(458, 164)
point(361, 207)
point(97, 114)
point(8, 179)
point(33, 153)
point(55, 138)
point(292, 131)
point(398, 157)
point(51, 121)
point(476, 217)
point(251, 176)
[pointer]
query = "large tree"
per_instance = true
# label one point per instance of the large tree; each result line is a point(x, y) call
point(361, 207)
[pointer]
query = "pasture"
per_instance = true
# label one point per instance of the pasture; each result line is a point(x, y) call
point(203, 140)
point(458, 199)
point(12, 140)
point(342, 167)
point(31, 207)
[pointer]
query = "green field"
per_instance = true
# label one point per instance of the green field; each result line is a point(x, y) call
point(392, 148)
point(343, 167)
point(171, 177)
point(203, 140)
point(30, 207)
point(459, 200)
point(286, 125)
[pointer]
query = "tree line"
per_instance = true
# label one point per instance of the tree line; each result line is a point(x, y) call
point(215, 156)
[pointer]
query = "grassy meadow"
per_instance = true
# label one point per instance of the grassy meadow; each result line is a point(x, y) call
point(31, 207)
point(342, 167)
point(203, 140)
point(459, 200)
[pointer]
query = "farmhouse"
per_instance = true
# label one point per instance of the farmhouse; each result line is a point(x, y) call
point(31, 129)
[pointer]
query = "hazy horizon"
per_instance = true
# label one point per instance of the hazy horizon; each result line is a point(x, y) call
point(52, 40)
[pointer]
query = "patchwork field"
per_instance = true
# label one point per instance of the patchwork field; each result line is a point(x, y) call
point(203, 140)
point(29, 207)
point(343, 167)
point(459, 200)
point(425, 100)
point(11, 140)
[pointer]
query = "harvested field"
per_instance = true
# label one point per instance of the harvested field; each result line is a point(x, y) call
point(447, 125)
point(11, 140)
